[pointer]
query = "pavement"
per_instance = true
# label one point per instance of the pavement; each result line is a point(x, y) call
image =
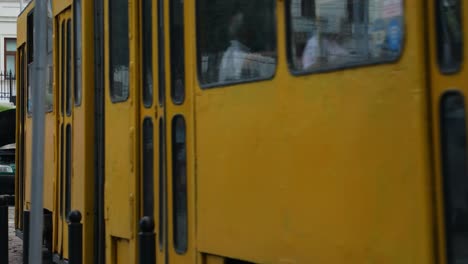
point(15, 244)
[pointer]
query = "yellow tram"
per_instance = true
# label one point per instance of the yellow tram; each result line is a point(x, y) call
point(289, 131)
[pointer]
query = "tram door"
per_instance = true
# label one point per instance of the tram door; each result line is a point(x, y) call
point(167, 182)
point(449, 91)
point(65, 121)
point(147, 130)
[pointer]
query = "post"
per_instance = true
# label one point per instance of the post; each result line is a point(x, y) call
point(26, 218)
point(37, 158)
point(75, 238)
point(146, 246)
point(3, 230)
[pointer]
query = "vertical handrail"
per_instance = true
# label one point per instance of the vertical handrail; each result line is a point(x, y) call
point(10, 80)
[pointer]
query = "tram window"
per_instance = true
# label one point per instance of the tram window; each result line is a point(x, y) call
point(454, 174)
point(449, 35)
point(148, 168)
point(68, 170)
point(177, 51)
point(331, 34)
point(179, 192)
point(49, 98)
point(62, 69)
point(30, 56)
point(77, 48)
point(162, 185)
point(119, 50)
point(236, 41)
point(68, 69)
point(147, 54)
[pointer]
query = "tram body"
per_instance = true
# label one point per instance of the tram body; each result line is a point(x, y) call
point(326, 131)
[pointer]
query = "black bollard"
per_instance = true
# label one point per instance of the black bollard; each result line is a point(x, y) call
point(3, 230)
point(26, 222)
point(75, 238)
point(147, 244)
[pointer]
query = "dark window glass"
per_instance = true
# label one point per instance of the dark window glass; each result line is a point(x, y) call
point(62, 70)
point(62, 168)
point(69, 68)
point(119, 50)
point(68, 172)
point(30, 37)
point(177, 51)
point(162, 186)
point(147, 53)
point(30, 57)
point(77, 48)
point(148, 173)
point(236, 41)
point(161, 54)
point(455, 180)
point(449, 35)
point(49, 96)
point(343, 33)
point(179, 191)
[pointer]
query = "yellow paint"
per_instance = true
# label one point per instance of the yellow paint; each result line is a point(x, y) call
point(322, 168)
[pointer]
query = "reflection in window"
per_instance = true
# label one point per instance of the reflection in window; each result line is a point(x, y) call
point(30, 57)
point(455, 178)
point(179, 191)
point(49, 99)
point(119, 50)
point(326, 34)
point(147, 46)
point(449, 35)
point(68, 69)
point(236, 40)
point(177, 51)
point(77, 48)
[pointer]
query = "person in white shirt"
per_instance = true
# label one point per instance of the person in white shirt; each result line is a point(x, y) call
point(238, 61)
point(327, 49)
point(232, 62)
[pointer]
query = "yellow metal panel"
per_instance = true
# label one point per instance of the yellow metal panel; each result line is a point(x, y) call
point(324, 168)
point(59, 6)
point(84, 121)
point(21, 28)
point(121, 140)
point(49, 160)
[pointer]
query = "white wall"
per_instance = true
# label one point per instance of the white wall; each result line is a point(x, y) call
point(9, 11)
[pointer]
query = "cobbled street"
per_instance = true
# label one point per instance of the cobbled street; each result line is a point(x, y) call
point(15, 245)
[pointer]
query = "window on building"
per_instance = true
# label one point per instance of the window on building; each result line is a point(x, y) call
point(10, 57)
point(331, 34)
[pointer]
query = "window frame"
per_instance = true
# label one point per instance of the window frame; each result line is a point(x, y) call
point(9, 53)
point(368, 63)
point(233, 83)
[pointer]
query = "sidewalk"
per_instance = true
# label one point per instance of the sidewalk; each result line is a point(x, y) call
point(15, 245)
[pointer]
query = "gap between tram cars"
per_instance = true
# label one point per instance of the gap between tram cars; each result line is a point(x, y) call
point(295, 131)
